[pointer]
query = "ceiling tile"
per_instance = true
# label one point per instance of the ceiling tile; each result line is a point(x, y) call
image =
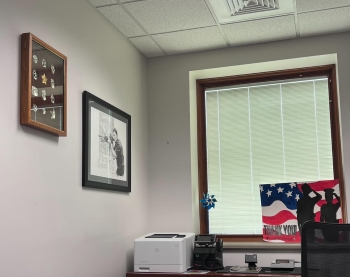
point(190, 40)
point(262, 30)
point(314, 5)
point(323, 22)
point(122, 20)
point(160, 16)
point(147, 46)
point(102, 2)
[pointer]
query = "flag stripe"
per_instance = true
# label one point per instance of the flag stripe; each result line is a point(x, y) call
point(279, 218)
point(320, 185)
point(275, 207)
point(283, 238)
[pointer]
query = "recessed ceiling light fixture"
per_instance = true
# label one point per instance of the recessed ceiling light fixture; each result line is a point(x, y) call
point(228, 11)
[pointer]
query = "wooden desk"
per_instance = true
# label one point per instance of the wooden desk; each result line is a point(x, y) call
point(210, 274)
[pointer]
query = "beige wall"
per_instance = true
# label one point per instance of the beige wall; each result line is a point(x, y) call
point(50, 225)
point(169, 118)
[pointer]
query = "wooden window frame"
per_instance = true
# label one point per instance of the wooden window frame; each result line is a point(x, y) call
point(202, 84)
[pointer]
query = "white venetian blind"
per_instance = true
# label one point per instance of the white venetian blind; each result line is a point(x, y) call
point(261, 134)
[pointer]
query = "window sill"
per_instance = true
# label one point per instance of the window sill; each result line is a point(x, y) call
point(261, 246)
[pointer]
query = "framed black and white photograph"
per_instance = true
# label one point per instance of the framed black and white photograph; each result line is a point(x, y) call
point(106, 145)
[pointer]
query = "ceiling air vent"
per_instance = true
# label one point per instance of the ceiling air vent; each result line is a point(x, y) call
point(228, 11)
point(238, 7)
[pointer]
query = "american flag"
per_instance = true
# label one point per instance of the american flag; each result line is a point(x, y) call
point(279, 207)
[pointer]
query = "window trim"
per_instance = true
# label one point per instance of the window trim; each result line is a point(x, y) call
point(202, 84)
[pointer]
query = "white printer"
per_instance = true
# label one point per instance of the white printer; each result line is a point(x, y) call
point(164, 252)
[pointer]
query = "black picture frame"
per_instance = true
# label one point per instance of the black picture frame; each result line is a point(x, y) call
point(106, 145)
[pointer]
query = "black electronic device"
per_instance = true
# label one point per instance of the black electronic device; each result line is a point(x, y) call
point(251, 260)
point(205, 239)
point(207, 253)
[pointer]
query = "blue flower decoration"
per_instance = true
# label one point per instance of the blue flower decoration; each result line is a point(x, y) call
point(208, 201)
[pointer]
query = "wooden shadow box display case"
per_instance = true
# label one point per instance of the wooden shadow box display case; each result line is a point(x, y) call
point(43, 86)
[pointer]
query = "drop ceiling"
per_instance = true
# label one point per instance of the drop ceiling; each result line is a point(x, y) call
point(168, 27)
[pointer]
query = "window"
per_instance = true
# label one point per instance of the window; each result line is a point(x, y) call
point(263, 128)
